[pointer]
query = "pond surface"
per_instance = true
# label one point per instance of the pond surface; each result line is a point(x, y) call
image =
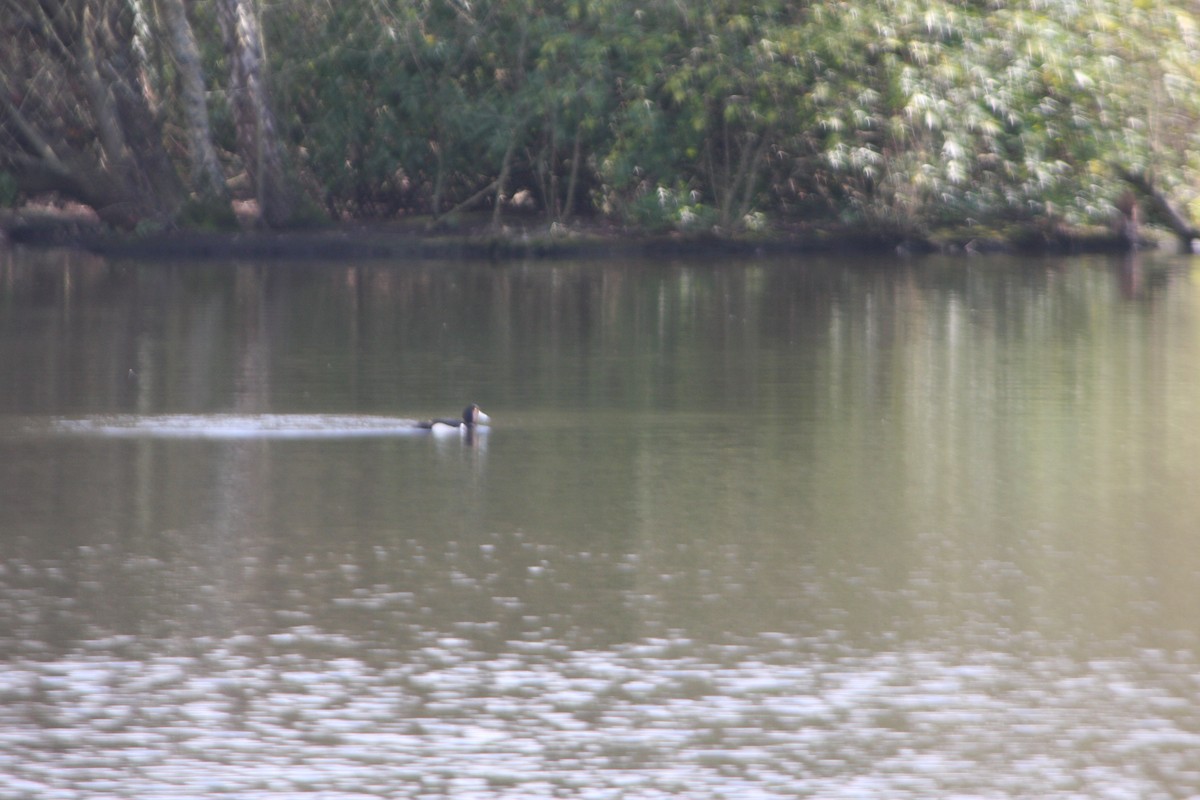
point(762, 529)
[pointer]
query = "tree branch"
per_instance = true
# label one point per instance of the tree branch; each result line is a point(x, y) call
point(1173, 217)
point(473, 199)
point(27, 132)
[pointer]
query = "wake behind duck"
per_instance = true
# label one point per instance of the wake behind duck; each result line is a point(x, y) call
point(267, 426)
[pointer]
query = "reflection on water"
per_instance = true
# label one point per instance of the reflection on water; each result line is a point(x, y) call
point(740, 530)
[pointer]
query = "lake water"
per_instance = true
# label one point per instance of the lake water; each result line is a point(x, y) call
point(739, 529)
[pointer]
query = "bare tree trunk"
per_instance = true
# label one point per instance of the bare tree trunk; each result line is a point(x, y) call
point(249, 99)
point(207, 177)
point(502, 181)
point(573, 180)
point(103, 105)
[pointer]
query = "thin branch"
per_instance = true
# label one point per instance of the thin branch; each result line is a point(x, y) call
point(32, 138)
point(473, 199)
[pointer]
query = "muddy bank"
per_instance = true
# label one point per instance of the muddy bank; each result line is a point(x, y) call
point(535, 240)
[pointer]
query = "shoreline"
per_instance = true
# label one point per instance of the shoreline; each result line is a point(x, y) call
point(525, 239)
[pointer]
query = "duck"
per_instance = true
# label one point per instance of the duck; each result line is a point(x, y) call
point(472, 417)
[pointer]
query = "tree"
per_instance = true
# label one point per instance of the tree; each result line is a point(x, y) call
point(207, 178)
point(713, 114)
point(249, 100)
point(76, 112)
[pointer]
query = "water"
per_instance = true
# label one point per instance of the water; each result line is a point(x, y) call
point(807, 528)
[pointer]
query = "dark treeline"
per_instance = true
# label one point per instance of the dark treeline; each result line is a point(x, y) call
point(718, 114)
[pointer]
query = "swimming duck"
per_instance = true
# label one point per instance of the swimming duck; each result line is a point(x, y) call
point(472, 416)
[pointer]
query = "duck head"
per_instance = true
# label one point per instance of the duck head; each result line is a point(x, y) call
point(472, 416)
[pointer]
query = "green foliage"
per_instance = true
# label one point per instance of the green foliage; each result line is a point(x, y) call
point(710, 116)
point(725, 113)
point(1026, 109)
point(906, 112)
point(666, 209)
point(208, 214)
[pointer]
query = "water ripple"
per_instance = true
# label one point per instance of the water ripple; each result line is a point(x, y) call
point(238, 426)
